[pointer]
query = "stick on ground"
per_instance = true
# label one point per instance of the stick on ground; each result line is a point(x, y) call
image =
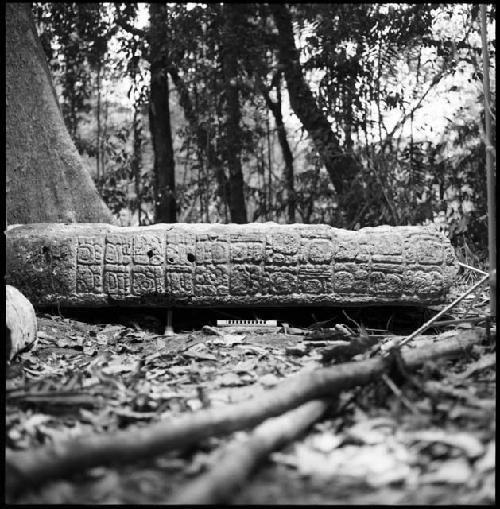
point(242, 457)
point(27, 469)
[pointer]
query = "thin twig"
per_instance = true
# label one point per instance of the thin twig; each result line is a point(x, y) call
point(472, 268)
point(399, 393)
point(427, 324)
point(352, 320)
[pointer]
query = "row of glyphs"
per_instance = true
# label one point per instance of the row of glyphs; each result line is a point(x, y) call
point(202, 264)
point(239, 262)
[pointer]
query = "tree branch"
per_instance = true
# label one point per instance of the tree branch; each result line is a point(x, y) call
point(240, 459)
point(27, 469)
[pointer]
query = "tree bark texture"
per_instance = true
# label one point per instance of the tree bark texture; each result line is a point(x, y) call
point(233, 130)
point(241, 458)
point(159, 120)
point(46, 180)
point(341, 167)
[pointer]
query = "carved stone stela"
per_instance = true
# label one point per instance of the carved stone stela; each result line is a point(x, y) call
point(213, 264)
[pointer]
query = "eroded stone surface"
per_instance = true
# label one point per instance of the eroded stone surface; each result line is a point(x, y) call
point(213, 264)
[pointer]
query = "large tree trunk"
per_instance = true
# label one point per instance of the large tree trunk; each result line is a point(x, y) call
point(340, 166)
point(159, 120)
point(233, 130)
point(46, 180)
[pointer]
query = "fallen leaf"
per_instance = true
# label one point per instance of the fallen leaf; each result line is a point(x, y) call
point(89, 350)
point(466, 442)
point(485, 362)
point(372, 431)
point(325, 442)
point(377, 465)
point(113, 328)
point(197, 347)
point(178, 370)
point(293, 331)
point(105, 487)
point(136, 337)
point(194, 404)
point(438, 388)
point(200, 356)
point(102, 339)
point(456, 471)
point(33, 422)
point(207, 329)
point(233, 339)
point(245, 366)
point(44, 335)
point(251, 349)
point(269, 380)
point(62, 343)
point(119, 366)
point(488, 461)
point(298, 350)
point(229, 380)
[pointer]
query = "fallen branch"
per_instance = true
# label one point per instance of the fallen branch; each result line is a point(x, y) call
point(27, 469)
point(471, 320)
point(430, 322)
point(241, 458)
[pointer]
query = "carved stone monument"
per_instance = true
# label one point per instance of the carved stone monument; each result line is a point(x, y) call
point(263, 264)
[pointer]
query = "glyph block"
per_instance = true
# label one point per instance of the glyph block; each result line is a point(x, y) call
point(223, 265)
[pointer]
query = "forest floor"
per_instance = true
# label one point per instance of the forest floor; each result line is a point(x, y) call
point(433, 443)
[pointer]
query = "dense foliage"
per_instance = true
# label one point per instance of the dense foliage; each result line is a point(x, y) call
point(395, 90)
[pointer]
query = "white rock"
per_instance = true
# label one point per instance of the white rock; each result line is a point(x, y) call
point(20, 320)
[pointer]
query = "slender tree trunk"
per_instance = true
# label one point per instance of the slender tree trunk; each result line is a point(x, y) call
point(159, 120)
point(341, 167)
point(104, 134)
point(287, 156)
point(269, 167)
point(201, 135)
point(275, 108)
point(233, 130)
point(136, 161)
point(46, 180)
point(201, 187)
point(98, 147)
point(263, 191)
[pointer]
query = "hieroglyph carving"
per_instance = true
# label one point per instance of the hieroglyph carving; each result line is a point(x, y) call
point(212, 264)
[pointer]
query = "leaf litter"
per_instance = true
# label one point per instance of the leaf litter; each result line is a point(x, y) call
point(86, 378)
